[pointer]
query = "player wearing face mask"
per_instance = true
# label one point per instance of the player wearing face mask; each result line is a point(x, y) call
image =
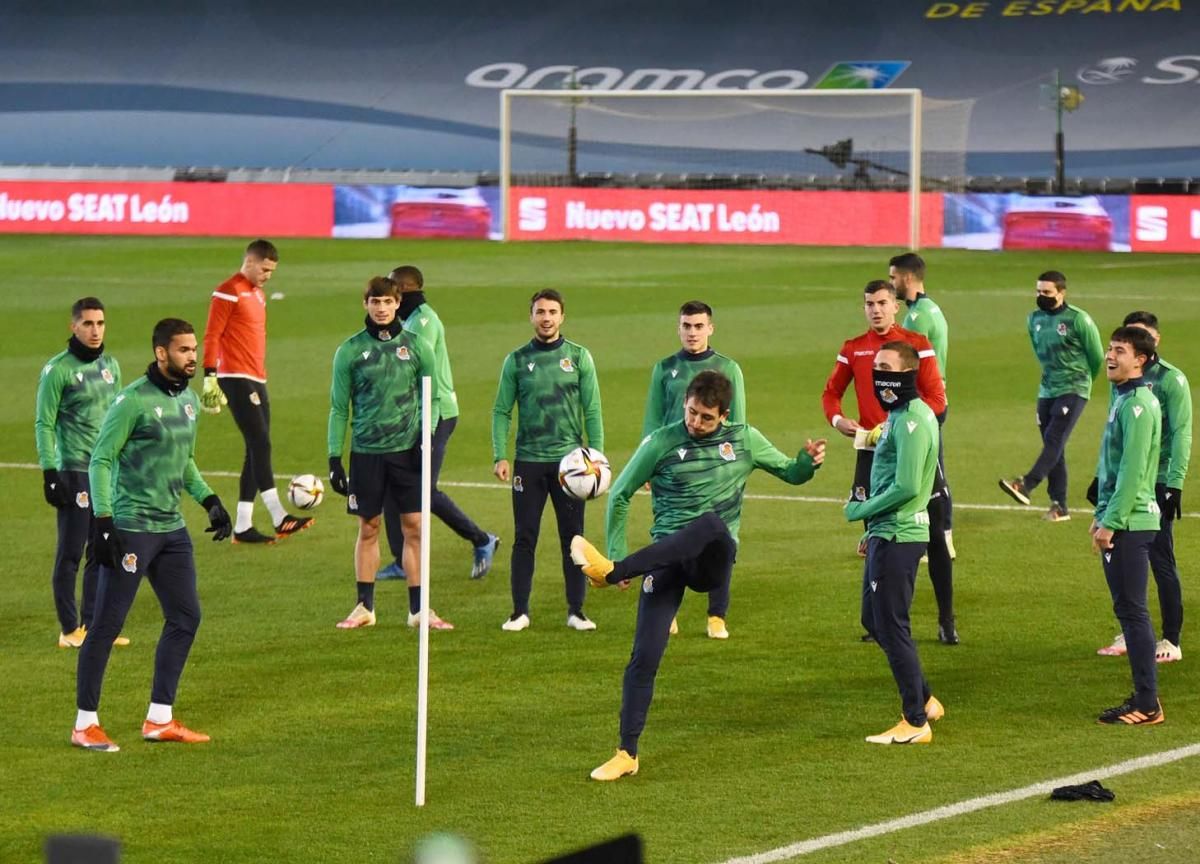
point(1067, 345)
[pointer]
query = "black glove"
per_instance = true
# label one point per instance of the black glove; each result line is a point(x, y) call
point(55, 489)
point(106, 541)
point(219, 523)
point(337, 476)
point(1093, 493)
point(1170, 501)
point(1092, 790)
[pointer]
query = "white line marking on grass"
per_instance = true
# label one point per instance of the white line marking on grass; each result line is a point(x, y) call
point(971, 805)
point(503, 487)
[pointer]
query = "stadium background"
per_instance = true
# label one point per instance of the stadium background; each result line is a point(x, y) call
point(748, 749)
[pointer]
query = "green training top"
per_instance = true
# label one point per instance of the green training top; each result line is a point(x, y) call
point(377, 390)
point(925, 317)
point(554, 386)
point(690, 477)
point(72, 397)
point(902, 476)
point(1170, 387)
point(1068, 347)
point(1129, 461)
point(426, 323)
point(145, 457)
point(669, 381)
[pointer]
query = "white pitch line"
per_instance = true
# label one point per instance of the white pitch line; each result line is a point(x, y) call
point(971, 805)
point(502, 487)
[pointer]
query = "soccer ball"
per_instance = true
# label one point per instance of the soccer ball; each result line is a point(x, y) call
point(306, 491)
point(584, 473)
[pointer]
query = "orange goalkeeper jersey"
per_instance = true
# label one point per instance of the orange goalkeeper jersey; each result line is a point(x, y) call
point(235, 340)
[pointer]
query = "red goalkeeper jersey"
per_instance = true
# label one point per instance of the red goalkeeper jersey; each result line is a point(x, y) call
point(856, 361)
point(235, 340)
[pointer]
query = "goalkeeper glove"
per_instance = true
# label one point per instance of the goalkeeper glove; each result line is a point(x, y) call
point(1093, 491)
point(106, 541)
point(219, 523)
point(55, 489)
point(874, 435)
point(211, 397)
point(1170, 501)
point(337, 476)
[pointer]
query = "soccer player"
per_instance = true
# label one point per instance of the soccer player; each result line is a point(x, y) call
point(855, 362)
point(1067, 345)
point(143, 460)
point(377, 392)
point(669, 381)
point(418, 316)
point(1126, 517)
point(235, 374)
point(1170, 387)
point(552, 382)
point(903, 474)
point(697, 469)
point(924, 316)
point(76, 388)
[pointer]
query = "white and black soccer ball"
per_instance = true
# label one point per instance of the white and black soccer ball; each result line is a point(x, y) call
point(584, 473)
point(306, 491)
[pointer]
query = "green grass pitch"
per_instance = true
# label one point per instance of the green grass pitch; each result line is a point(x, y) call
point(751, 744)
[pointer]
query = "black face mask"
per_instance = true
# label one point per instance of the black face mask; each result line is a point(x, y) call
point(1047, 304)
point(894, 389)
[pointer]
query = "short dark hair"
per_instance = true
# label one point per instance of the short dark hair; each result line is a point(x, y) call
point(909, 262)
point(547, 294)
point(263, 249)
point(909, 359)
point(1139, 317)
point(83, 303)
point(876, 285)
point(711, 389)
point(1136, 338)
point(167, 329)
point(695, 307)
point(407, 273)
point(381, 286)
point(1059, 280)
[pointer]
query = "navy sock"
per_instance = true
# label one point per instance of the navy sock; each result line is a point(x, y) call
point(414, 599)
point(366, 594)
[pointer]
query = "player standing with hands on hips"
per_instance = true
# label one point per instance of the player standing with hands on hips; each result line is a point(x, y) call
point(74, 392)
point(552, 382)
point(1126, 517)
point(235, 374)
point(143, 460)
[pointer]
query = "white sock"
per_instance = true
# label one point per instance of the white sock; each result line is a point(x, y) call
point(245, 517)
point(159, 713)
point(84, 719)
point(271, 499)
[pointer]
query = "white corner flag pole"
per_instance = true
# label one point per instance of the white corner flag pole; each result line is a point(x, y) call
point(423, 651)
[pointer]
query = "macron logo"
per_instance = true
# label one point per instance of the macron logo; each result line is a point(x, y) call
point(531, 214)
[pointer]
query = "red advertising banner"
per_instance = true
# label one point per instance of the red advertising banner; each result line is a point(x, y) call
point(1164, 223)
point(277, 210)
point(833, 218)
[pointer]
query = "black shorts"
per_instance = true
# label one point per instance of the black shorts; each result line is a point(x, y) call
point(376, 475)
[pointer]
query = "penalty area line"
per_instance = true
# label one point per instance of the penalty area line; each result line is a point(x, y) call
point(971, 805)
point(503, 487)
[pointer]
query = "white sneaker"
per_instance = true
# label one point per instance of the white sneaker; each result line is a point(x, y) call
point(580, 622)
point(1116, 649)
point(515, 623)
point(1167, 651)
point(360, 616)
point(716, 627)
point(435, 623)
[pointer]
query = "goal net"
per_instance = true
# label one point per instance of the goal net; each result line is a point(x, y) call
point(891, 142)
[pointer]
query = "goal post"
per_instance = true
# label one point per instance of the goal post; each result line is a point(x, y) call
point(886, 140)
